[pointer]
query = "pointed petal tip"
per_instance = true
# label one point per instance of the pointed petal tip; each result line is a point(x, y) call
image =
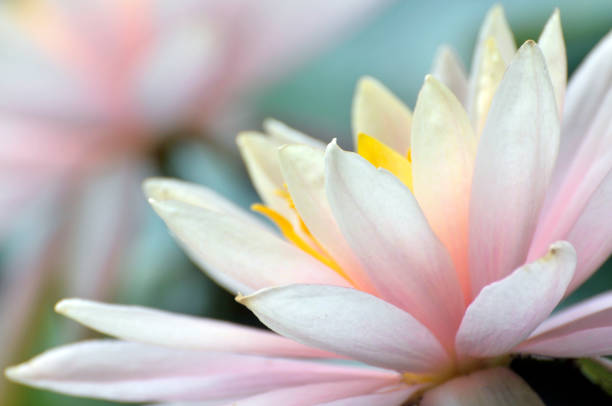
point(155, 187)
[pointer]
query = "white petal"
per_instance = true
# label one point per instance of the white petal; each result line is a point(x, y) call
point(303, 168)
point(515, 158)
point(351, 323)
point(447, 68)
point(238, 255)
point(380, 114)
point(494, 27)
point(287, 135)
point(552, 44)
point(149, 326)
point(506, 312)
point(443, 153)
point(131, 372)
point(161, 189)
point(384, 225)
point(490, 387)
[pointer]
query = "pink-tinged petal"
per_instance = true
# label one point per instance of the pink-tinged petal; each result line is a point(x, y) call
point(303, 169)
point(590, 235)
point(395, 396)
point(443, 153)
point(449, 70)
point(516, 154)
point(240, 256)
point(386, 229)
point(584, 192)
point(506, 312)
point(490, 387)
point(586, 91)
point(380, 114)
point(351, 323)
point(318, 394)
point(575, 332)
point(552, 44)
point(131, 372)
point(149, 326)
point(588, 342)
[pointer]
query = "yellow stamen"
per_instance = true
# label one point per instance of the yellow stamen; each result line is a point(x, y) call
point(382, 156)
point(286, 228)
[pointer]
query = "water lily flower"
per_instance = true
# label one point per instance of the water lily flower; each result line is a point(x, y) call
point(419, 257)
point(87, 90)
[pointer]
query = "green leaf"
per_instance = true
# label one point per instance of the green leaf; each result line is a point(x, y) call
point(597, 373)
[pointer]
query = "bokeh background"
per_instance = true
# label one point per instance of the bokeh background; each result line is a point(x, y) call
point(395, 43)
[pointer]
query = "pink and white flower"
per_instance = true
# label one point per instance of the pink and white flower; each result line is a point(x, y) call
point(430, 273)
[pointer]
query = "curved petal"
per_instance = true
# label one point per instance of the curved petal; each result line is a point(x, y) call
point(490, 387)
point(287, 135)
point(588, 342)
point(161, 189)
point(591, 233)
point(386, 397)
point(380, 114)
point(515, 157)
point(490, 73)
point(319, 393)
point(131, 372)
point(447, 68)
point(351, 323)
point(575, 332)
point(552, 44)
point(443, 153)
point(149, 326)
point(384, 225)
point(494, 27)
point(303, 169)
point(586, 91)
point(585, 184)
point(238, 255)
point(505, 312)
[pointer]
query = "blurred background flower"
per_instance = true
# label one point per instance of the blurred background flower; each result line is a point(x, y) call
point(93, 93)
point(97, 94)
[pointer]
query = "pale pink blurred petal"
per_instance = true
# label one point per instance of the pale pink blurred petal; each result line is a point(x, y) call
point(348, 322)
point(505, 312)
point(103, 224)
point(383, 224)
point(584, 329)
point(396, 396)
point(140, 324)
point(238, 255)
point(516, 155)
point(132, 372)
point(318, 394)
point(490, 387)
